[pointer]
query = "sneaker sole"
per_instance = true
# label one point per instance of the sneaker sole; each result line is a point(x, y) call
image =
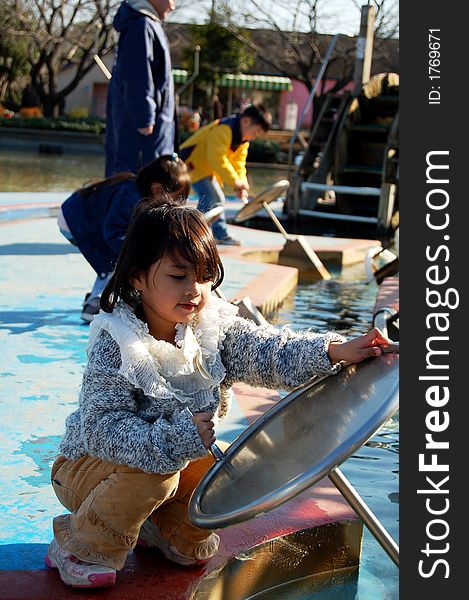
point(95, 581)
point(197, 562)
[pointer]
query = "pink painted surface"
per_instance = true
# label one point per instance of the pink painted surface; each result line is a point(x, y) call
point(388, 294)
point(300, 94)
point(147, 575)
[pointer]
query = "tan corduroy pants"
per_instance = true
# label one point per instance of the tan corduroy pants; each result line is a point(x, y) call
point(109, 502)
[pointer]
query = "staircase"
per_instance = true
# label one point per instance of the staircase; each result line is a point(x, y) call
point(318, 157)
point(362, 153)
point(348, 174)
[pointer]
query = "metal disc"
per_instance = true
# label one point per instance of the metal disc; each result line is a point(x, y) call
point(268, 195)
point(297, 442)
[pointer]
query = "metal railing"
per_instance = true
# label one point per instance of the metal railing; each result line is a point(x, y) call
point(341, 189)
point(295, 134)
point(337, 216)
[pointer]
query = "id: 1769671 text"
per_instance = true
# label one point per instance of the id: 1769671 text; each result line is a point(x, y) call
point(434, 94)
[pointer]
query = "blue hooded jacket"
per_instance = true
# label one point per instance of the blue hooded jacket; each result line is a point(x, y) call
point(141, 93)
point(98, 222)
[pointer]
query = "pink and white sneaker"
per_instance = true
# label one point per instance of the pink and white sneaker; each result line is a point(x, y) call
point(76, 572)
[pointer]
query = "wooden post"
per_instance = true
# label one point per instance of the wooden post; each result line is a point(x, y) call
point(364, 49)
point(385, 211)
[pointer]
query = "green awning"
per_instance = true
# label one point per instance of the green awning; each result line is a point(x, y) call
point(180, 75)
point(255, 82)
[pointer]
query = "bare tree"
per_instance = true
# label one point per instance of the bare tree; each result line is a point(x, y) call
point(61, 33)
point(293, 47)
point(298, 44)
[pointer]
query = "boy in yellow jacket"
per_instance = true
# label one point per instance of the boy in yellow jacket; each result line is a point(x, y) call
point(216, 156)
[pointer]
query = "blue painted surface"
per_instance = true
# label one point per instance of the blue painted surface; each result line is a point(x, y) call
point(19, 198)
point(43, 341)
point(22, 557)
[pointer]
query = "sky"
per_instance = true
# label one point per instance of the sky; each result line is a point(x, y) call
point(335, 16)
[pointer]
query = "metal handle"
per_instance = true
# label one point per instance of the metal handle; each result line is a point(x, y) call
point(216, 452)
point(383, 316)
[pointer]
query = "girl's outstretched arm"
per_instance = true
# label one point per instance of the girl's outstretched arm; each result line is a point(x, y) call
point(275, 358)
point(359, 348)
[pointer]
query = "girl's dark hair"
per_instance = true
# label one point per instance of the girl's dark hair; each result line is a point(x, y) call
point(157, 228)
point(167, 170)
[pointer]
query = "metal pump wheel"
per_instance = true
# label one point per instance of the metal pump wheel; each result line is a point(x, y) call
point(296, 246)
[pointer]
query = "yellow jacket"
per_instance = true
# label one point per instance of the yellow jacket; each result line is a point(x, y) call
point(217, 149)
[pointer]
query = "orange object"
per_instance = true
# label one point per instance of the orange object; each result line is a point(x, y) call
point(31, 112)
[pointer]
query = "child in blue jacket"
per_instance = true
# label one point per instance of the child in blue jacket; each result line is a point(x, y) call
point(95, 217)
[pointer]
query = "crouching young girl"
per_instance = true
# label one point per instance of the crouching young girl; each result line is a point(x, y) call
point(162, 356)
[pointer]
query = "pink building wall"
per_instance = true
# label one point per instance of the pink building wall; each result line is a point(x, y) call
point(299, 94)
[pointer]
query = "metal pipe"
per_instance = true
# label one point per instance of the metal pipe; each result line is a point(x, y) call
point(343, 189)
point(336, 216)
point(274, 218)
point(216, 452)
point(363, 511)
point(102, 66)
point(382, 317)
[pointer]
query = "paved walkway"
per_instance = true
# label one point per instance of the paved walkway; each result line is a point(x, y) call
point(42, 282)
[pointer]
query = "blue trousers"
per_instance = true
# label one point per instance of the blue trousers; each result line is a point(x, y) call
point(210, 195)
point(100, 282)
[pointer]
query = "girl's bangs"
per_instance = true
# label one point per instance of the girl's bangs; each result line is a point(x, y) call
point(201, 252)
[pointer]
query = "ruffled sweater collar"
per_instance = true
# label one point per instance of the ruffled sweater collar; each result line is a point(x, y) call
point(162, 369)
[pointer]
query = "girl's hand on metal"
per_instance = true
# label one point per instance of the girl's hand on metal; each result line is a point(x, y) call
point(357, 349)
point(204, 424)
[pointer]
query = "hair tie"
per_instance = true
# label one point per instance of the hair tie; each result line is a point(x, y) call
point(174, 157)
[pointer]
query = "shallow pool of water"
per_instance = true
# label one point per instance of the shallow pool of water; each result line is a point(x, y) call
point(22, 171)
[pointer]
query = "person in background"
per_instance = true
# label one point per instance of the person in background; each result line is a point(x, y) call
point(216, 156)
point(140, 116)
point(163, 354)
point(95, 218)
point(218, 112)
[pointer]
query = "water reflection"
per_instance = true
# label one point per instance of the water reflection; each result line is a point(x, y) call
point(342, 306)
point(33, 172)
point(23, 171)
